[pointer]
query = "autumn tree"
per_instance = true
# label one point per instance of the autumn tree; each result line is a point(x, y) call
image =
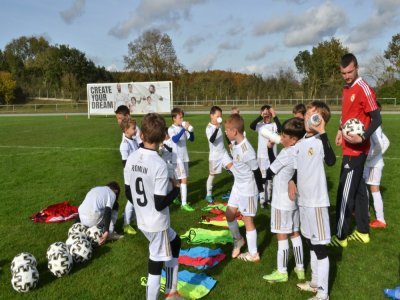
point(7, 87)
point(152, 53)
point(320, 68)
point(392, 53)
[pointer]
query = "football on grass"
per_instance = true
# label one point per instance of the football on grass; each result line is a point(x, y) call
point(94, 234)
point(22, 259)
point(353, 126)
point(60, 263)
point(24, 278)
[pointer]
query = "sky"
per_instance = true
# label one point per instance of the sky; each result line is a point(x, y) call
point(253, 36)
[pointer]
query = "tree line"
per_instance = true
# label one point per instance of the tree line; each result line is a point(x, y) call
point(32, 67)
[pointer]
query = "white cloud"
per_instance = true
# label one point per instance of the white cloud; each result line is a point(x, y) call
point(193, 42)
point(229, 45)
point(112, 68)
point(205, 63)
point(77, 9)
point(260, 53)
point(164, 14)
point(305, 28)
point(385, 15)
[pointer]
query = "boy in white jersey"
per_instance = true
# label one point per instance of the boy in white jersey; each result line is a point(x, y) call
point(244, 195)
point(312, 196)
point(130, 143)
point(373, 172)
point(264, 120)
point(218, 156)
point(179, 133)
point(100, 207)
point(147, 175)
point(284, 212)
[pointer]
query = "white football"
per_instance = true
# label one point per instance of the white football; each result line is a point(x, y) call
point(24, 278)
point(22, 259)
point(60, 263)
point(77, 227)
point(94, 234)
point(81, 251)
point(353, 126)
point(56, 248)
point(72, 238)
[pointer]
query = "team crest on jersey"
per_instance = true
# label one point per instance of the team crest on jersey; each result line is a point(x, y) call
point(310, 151)
point(238, 157)
point(352, 97)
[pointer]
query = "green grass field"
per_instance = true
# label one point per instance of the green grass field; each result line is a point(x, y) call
point(45, 160)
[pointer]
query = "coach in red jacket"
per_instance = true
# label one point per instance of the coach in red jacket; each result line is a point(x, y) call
point(359, 101)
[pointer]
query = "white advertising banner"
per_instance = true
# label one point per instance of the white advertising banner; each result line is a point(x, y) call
point(139, 97)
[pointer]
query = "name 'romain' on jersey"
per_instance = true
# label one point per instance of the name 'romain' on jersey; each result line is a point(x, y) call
point(139, 168)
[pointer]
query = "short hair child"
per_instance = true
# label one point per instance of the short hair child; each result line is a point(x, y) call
point(218, 157)
point(265, 121)
point(122, 112)
point(244, 195)
point(373, 173)
point(285, 219)
point(235, 110)
point(299, 110)
point(130, 143)
point(179, 133)
point(148, 177)
point(313, 198)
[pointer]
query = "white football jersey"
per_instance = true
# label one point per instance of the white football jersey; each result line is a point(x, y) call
point(96, 200)
point(217, 149)
point(379, 144)
point(180, 147)
point(283, 167)
point(147, 175)
point(244, 163)
point(311, 180)
point(262, 148)
point(128, 146)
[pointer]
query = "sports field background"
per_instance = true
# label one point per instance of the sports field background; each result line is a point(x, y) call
point(45, 160)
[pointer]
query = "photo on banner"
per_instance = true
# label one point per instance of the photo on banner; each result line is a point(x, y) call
point(139, 97)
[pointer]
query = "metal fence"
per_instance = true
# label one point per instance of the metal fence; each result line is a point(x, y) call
point(189, 105)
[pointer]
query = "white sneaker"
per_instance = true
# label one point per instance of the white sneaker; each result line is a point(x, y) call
point(307, 286)
point(114, 236)
point(237, 244)
point(248, 257)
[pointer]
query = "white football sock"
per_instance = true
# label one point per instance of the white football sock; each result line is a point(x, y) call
point(262, 197)
point(297, 245)
point(171, 270)
point(314, 268)
point(251, 237)
point(282, 255)
point(323, 277)
point(129, 213)
point(184, 193)
point(153, 287)
point(114, 217)
point(268, 190)
point(378, 205)
point(234, 229)
point(210, 180)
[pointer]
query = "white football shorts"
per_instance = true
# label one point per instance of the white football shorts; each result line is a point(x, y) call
point(181, 170)
point(284, 221)
point(160, 244)
point(314, 224)
point(247, 205)
point(373, 175)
